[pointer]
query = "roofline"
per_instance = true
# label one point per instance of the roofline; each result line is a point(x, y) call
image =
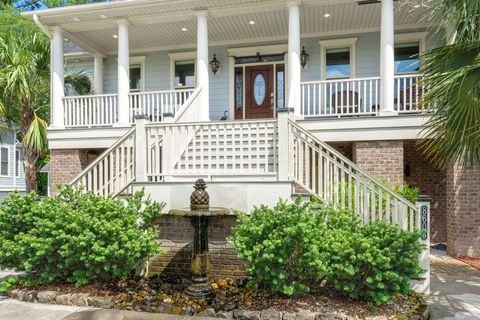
point(79, 8)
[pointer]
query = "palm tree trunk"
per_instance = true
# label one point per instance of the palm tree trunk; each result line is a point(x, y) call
point(31, 167)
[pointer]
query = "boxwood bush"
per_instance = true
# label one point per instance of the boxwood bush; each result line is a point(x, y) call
point(292, 247)
point(77, 237)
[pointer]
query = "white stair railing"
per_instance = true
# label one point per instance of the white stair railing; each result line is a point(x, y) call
point(334, 179)
point(112, 171)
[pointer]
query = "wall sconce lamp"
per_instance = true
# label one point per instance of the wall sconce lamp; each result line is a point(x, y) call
point(215, 64)
point(304, 58)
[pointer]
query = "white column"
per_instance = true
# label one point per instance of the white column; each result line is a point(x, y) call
point(56, 82)
point(202, 63)
point(123, 73)
point(387, 60)
point(98, 73)
point(450, 34)
point(294, 67)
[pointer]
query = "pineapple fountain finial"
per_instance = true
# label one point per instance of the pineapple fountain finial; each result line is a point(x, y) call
point(200, 200)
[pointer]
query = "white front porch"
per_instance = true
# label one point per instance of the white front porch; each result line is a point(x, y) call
point(156, 41)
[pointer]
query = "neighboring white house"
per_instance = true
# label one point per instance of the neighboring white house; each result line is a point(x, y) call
point(306, 88)
point(12, 175)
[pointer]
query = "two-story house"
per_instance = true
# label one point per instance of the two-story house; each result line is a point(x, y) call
point(251, 95)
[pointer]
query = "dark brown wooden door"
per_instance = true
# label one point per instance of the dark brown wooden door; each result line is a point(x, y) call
point(259, 92)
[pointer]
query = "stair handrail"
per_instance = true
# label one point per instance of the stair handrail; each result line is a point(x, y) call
point(181, 112)
point(350, 163)
point(76, 181)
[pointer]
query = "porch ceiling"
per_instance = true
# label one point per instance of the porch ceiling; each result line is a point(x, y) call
point(157, 25)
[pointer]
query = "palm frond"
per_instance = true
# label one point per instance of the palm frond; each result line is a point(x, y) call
point(36, 137)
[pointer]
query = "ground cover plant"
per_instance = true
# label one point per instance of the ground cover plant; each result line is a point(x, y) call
point(293, 247)
point(77, 236)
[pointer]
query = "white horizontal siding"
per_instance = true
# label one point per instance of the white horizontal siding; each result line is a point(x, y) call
point(11, 182)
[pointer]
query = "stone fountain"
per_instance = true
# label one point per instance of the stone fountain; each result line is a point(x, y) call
point(200, 214)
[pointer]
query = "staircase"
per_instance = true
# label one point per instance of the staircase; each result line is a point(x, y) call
point(273, 151)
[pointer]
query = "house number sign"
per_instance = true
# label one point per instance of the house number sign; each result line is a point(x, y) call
point(424, 221)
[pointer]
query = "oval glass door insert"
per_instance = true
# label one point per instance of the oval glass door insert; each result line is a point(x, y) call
point(259, 89)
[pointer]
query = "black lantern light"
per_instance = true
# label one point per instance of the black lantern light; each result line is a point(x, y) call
point(215, 64)
point(304, 58)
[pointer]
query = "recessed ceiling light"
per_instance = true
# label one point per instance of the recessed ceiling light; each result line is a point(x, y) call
point(416, 6)
point(326, 15)
point(251, 22)
point(115, 36)
point(75, 19)
point(184, 29)
point(103, 16)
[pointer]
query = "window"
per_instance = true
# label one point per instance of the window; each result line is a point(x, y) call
point(280, 87)
point(238, 89)
point(337, 63)
point(185, 73)
point(18, 162)
point(135, 77)
point(4, 161)
point(337, 58)
point(407, 57)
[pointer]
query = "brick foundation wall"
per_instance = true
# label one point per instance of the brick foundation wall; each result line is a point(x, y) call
point(176, 236)
point(345, 148)
point(66, 164)
point(463, 211)
point(382, 159)
point(421, 172)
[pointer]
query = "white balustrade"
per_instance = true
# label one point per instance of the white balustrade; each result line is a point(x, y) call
point(337, 181)
point(90, 111)
point(408, 93)
point(113, 171)
point(358, 96)
point(246, 148)
point(154, 104)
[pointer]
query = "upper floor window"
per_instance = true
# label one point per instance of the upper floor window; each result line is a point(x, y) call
point(337, 63)
point(337, 58)
point(4, 161)
point(184, 74)
point(407, 57)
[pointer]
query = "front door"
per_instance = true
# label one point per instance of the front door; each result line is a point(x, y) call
point(259, 99)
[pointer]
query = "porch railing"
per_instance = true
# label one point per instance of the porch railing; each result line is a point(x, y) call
point(102, 111)
point(247, 148)
point(90, 111)
point(154, 104)
point(358, 96)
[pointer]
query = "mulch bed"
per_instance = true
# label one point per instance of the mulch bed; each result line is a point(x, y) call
point(474, 262)
point(165, 295)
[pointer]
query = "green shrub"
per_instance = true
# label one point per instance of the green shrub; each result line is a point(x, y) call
point(374, 262)
point(7, 284)
point(292, 247)
point(281, 245)
point(77, 237)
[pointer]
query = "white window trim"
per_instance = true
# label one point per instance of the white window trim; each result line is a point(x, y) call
point(8, 161)
point(16, 160)
point(177, 56)
point(411, 37)
point(337, 43)
point(141, 61)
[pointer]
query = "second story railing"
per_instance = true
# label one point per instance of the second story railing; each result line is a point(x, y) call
point(154, 104)
point(102, 110)
point(358, 96)
point(90, 111)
